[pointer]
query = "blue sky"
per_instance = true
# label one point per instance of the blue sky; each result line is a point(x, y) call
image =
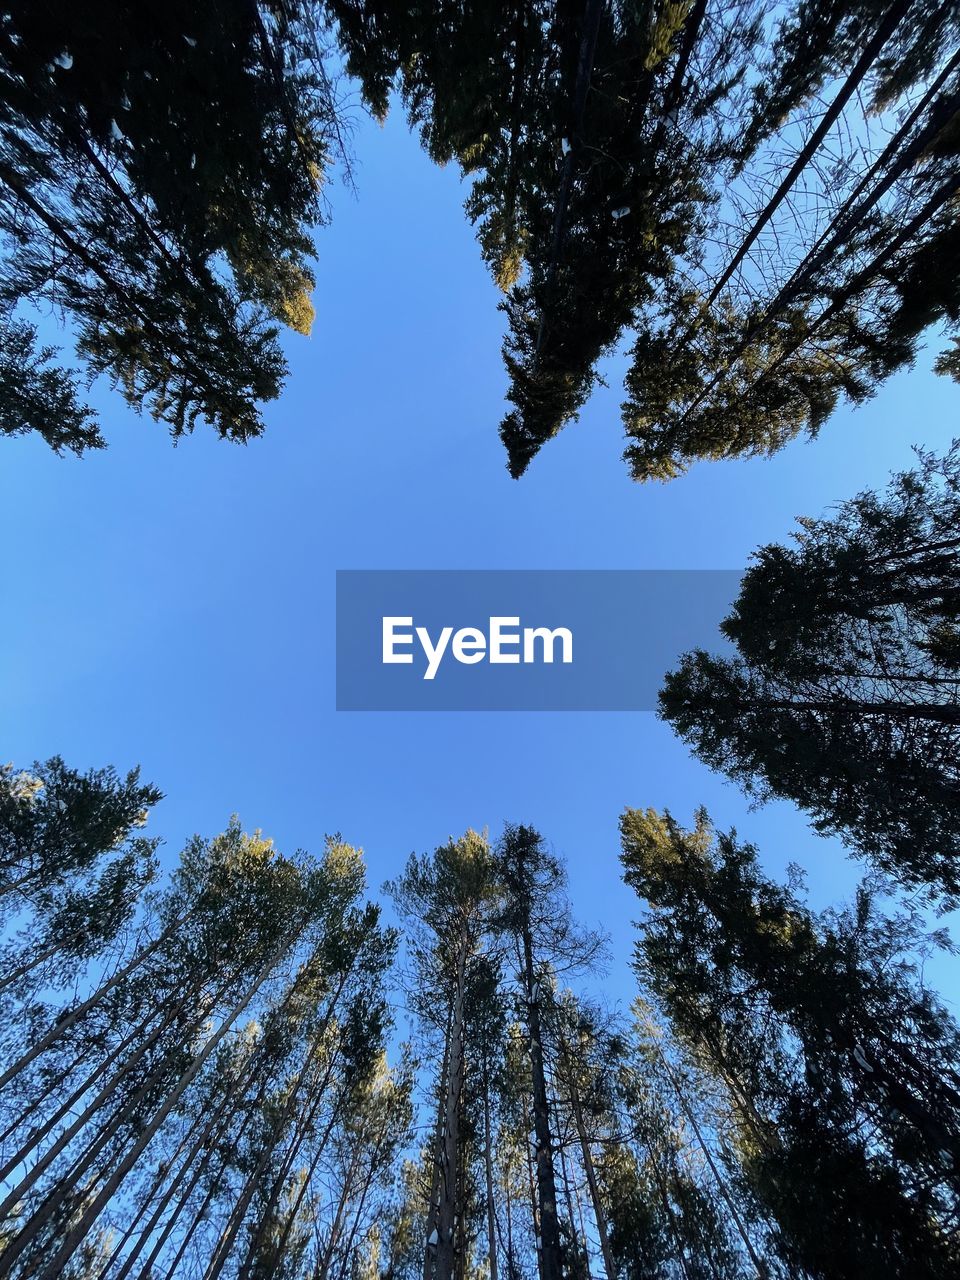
point(174, 606)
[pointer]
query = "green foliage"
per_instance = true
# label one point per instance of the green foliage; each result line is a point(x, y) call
point(38, 396)
point(843, 695)
point(197, 1078)
point(838, 1062)
point(55, 823)
point(768, 206)
point(160, 175)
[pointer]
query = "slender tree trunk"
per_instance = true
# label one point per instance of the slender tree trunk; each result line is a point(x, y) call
point(435, 1158)
point(758, 1265)
point(33, 963)
point(203, 1147)
point(550, 1259)
point(53, 1086)
point(691, 30)
point(848, 218)
point(372, 1167)
point(205, 1142)
point(568, 1197)
point(76, 1234)
point(103, 1096)
point(861, 281)
point(488, 1167)
point(14, 182)
point(852, 214)
point(450, 1148)
point(225, 1244)
point(532, 1191)
point(146, 1271)
point(65, 1022)
point(939, 713)
point(888, 25)
point(508, 1201)
point(318, 1038)
point(346, 1190)
point(757, 1124)
point(673, 1225)
point(319, 1148)
point(596, 1200)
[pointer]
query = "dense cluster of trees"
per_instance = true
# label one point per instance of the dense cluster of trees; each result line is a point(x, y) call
point(837, 1068)
point(194, 1077)
point(200, 1072)
point(200, 1075)
point(161, 170)
point(844, 692)
point(767, 206)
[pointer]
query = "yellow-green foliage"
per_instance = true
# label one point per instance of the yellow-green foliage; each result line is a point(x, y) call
point(668, 23)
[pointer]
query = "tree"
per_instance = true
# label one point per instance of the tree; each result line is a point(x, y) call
point(837, 1062)
point(844, 695)
point(239, 910)
point(808, 308)
point(215, 1097)
point(38, 396)
point(611, 219)
point(71, 869)
point(447, 897)
point(160, 174)
point(760, 204)
point(536, 922)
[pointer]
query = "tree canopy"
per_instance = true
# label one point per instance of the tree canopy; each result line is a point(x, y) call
point(844, 693)
point(763, 205)
point(161, 170)
point(202, 1073)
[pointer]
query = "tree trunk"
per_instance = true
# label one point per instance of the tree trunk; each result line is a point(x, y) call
point(64, 1023)
point(221, 1254)
point(372, 1165)
point(488, 1166)
point(103, 1096)
point(435, 1158)
point(939, 713)
point(891, 20)
point(450, 1147)
point(758, 1265)
point(318, 1036)
point(846, 221)
point(550, 1260)
point(863, 279)
point(596, 1200)
point(204, 1142)
point(76, 1234)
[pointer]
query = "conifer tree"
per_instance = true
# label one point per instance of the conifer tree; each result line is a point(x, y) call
point(71, 869)
point(536, 922)
point(838, 1062)
point(844, 694)
point(809, 307)
point(762, 205)
point(156, 1066)
point(38, 396)
point(160, 175)
point(214, 1098)
point(447, 899)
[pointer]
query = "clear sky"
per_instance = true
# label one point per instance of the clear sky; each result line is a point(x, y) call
point(173, 607)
